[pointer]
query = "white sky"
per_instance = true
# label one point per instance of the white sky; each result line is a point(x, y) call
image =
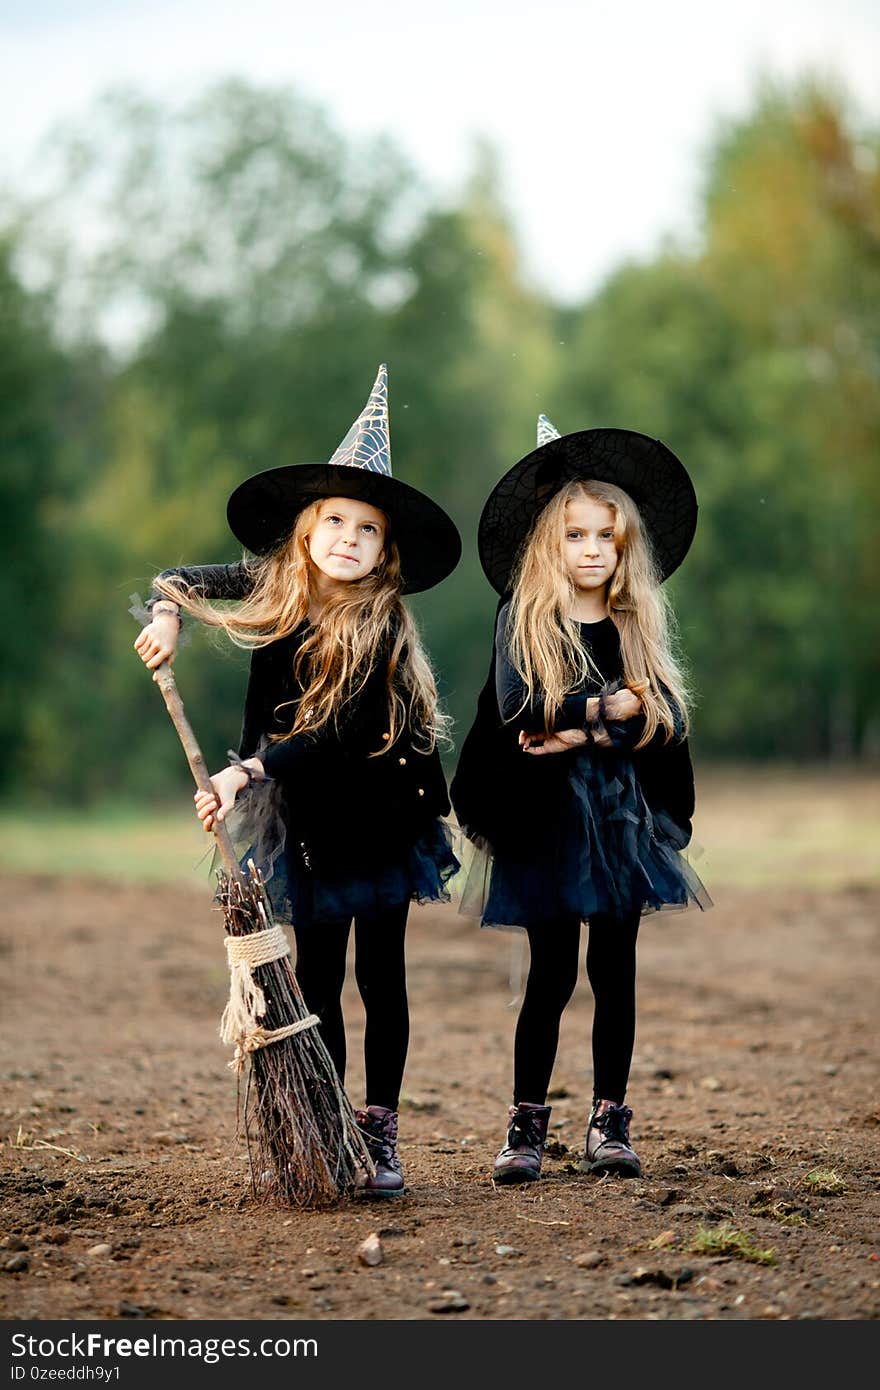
point(600, 111)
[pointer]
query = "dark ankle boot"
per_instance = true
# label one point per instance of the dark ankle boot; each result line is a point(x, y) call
point(379, 1128)
point(520, 1159)
point(607, 1147)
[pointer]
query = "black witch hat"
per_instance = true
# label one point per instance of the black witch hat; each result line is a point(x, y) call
point(263, 509)
point(644, 468)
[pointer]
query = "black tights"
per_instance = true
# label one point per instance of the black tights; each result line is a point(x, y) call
point(380, 971)
point(553, 971)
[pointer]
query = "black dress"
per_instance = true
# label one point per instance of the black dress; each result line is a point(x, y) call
point(347, 823)
point(585, 832)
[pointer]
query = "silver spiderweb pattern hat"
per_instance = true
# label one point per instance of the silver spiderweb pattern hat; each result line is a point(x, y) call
point(263, 509)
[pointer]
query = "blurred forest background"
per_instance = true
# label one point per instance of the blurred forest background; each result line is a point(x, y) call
point(237, 273)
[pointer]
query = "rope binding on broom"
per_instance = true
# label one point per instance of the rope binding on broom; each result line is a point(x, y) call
point(257, 948)
point(247, 1002)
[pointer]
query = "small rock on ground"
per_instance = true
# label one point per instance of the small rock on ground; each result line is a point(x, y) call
point(370, 1250)
point(451, 1301)
point(591, 1259)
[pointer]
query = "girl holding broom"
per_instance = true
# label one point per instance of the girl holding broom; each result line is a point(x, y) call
point(340, 729)
point(576, 775)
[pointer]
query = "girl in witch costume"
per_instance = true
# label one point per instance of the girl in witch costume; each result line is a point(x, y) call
point(575, 782)
point(340, 729)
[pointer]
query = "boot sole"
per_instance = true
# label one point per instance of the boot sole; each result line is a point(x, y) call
point(514, 1175)
point(621, 1169)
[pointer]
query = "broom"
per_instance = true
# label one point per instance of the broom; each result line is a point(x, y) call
point(303, 1139)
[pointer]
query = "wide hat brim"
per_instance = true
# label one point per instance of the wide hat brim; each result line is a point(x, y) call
point(645, 468)
point(263, 509)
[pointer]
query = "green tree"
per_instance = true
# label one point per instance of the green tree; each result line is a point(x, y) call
point(32, 400)
point(793, 255)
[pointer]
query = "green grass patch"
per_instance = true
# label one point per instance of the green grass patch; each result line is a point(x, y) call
point(725, 1239)
point(116, 843)
point(825, 1182)
point(754, 828)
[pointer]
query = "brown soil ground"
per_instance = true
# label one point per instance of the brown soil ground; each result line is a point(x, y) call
point(754, 1068)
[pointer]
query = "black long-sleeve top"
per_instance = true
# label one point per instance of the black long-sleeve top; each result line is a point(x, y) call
point(602, 641)
point(514, 799)
point(513, 702)
point(352, 800)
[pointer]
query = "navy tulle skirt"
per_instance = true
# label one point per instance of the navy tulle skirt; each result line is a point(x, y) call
point(259, 833)
point(420, 875)
point(614, 857)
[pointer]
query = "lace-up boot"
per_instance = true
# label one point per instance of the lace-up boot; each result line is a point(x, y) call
point(520, 1159)
point(379, 1128)
point(607, 1148)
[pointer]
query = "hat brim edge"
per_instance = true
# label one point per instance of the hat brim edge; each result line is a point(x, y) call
point(262, 511)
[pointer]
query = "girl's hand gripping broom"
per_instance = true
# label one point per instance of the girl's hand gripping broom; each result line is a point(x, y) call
point(304, 1144)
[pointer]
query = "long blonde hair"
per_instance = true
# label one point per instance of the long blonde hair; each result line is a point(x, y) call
point(544, 642)
point(334, 662)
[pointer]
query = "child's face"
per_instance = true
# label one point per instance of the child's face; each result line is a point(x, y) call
point(347, 541)
point(589, 549)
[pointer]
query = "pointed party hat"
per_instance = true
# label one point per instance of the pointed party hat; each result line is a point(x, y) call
point(546, 431)
point(263, 509)
point(368, 442)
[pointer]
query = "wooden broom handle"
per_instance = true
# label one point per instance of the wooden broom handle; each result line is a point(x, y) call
point(170, 694)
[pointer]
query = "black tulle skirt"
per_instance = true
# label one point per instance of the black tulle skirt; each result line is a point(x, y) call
point(614, 856)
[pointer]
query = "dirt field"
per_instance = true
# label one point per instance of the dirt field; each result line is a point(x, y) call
point(126, 1190)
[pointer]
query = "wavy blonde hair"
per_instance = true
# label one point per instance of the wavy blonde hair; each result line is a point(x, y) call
point(335, 660)
point(544, 640)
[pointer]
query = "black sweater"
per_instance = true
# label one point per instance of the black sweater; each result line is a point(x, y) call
point(514, 799)
point(348, 809)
